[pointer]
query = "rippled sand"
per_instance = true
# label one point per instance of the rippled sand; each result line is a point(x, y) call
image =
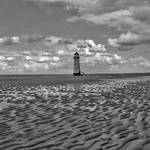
point(102, 115)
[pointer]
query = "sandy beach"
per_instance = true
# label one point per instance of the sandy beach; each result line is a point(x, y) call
point(99, 115)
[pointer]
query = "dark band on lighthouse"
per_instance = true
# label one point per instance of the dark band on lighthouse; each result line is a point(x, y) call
point(76, 64)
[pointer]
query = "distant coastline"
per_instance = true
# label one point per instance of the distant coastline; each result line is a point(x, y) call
point(100, 75)
point(95, 74)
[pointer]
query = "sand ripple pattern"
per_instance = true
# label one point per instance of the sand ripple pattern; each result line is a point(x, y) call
point(104, 115)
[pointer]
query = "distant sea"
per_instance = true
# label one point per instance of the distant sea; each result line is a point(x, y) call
point(34, 79)
point(88, 76)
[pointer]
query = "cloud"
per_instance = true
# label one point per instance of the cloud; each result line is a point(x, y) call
point(118, 63)
point(108, 58)
point(141, 13)
point(33, 39)
point(43, 52)
point(93, 6)
point(134, 19)
point(60, 52)
point(137, 61)
point(10, 59)
point(16, 40)
point(7, 41)
point(107, 18)
point(123, 15)
point(57, 52)
point(103, 58)
point(89, 46)
point(28, 58)
point(43, 59)
point(129, 39)
point(2, 58)
point(54, 45)
point(55, 58)
point(28, 63)
point(135, 64)
point(53, 39)
point(33, 66)
point(82, 6)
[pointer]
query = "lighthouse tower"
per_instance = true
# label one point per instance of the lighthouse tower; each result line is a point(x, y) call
point(76, 64)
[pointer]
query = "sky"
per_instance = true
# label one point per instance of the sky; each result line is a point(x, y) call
point(41, 36)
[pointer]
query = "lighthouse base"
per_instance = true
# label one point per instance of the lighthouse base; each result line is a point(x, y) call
point(77, 74)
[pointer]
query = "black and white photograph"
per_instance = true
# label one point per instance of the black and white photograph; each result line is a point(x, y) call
point(74, 74)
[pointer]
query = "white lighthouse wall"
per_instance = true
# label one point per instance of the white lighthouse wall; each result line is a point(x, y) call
point(76, 66)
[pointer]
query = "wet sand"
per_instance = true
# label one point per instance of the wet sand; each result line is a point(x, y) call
point(96, 115)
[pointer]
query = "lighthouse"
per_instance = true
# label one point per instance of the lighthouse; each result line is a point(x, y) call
point(76, 64)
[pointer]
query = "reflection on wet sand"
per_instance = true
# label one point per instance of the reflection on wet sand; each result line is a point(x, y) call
point(75, 87)
point(102, 115)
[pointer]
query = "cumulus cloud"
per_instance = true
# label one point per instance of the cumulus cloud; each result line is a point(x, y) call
point(137, 61)
point(108, 58)
point(31, 39)
point(10, 40)
point(53, 39)
point(55, 45)
point(28, 58)
point(129, 16)
point(55, 58)
point(57, 54)
point(103, 58)
point(33, 66)
point(60, 52)
point(28, 63)
point(2, 58)
point(43, 59)
point(89, 46)
point(129, 39)
point(9, 58)
point(135, 64)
